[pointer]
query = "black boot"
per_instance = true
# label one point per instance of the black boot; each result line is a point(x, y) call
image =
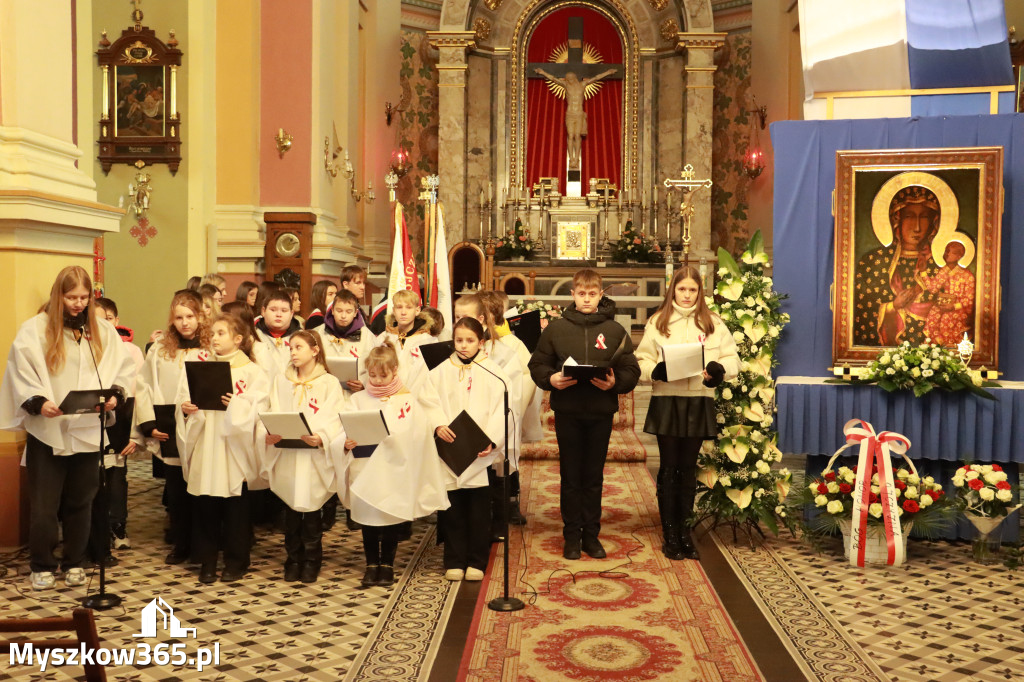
point(684, 517)
point(494, 490)
point(371, 550)
point(669, 529)
point(329, 513)
point(388, 549)
point(515, 515)
point(312, 547)
point(292, 545)
point(349, 523)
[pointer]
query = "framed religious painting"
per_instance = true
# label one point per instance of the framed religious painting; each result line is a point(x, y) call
point(917, 251)
point(139, 119)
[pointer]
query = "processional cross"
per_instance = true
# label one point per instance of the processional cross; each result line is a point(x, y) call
point(575, 80)
point(687, 184)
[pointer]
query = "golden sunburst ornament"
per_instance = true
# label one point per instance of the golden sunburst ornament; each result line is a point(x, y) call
point(560, 55)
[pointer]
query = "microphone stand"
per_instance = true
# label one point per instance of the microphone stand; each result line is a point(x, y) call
point(505, 602)
point(102, 600)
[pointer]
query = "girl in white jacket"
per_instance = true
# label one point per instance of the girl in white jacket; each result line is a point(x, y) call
point(304, 478)
point(682, 413)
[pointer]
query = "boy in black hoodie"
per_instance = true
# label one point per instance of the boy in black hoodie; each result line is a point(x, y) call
point(589, 334)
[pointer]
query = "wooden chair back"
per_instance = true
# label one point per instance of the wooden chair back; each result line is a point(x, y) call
point(81, 623)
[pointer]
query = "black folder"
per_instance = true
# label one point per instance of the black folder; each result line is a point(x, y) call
point(361, 451)
point(436, 353)
point(526, 327)
point(470, 441)
point(165, 423)
point(120, 433)
point(583, 373)
point(208, 382)
point(83, 402)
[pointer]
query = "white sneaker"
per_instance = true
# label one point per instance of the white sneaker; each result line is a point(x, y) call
point(454, 574)
point(474, 574)
point(75, 577)
point(43, 580)
point(120, 538)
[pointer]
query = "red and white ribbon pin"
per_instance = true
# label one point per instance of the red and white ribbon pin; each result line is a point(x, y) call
point(600, 343)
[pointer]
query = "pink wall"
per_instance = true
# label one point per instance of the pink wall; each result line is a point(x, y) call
point(286, 84)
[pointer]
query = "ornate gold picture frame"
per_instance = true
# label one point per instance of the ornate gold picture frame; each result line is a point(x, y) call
point(139, 119)
point(574, 241)
point(917, 251)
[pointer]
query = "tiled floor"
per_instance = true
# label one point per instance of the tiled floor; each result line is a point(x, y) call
point(266, 629)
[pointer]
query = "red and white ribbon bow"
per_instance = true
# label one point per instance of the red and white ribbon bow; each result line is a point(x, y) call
point(314, 405)
point(203, 355)
point(240, 386)
point(600, 343)
point(354, 352)
point(875, 449)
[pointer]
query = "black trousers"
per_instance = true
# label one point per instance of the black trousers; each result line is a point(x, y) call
point(64, 484)
point(465, 528)
point(225, 523)
point(303, 536)
point(380, 544)
point(677, 477)
point(109, 508)
point(179, 508)
point(582, 450)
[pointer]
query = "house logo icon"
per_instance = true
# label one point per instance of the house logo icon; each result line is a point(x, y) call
point(156, 611)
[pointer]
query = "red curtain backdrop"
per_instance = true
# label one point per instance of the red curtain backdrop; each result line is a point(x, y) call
point(545, 113)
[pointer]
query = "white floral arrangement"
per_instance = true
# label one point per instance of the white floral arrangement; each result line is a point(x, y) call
point(922, 369)
point(741, 487)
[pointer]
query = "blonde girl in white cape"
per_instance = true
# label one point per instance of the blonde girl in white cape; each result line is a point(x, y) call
point(304, 478)
point(218, 455)
point(64, 348)
point(403, 478)
point(187, 339)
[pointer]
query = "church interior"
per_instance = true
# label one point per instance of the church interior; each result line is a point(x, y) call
point(783, 149)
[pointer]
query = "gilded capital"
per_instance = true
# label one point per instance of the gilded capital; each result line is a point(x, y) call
point(702, 41)
point(452, 39)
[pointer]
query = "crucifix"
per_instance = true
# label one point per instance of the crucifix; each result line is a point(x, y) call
point(575, 80)
point(687, 185)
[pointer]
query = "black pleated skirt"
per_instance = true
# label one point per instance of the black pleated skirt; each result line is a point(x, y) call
point(682, 417)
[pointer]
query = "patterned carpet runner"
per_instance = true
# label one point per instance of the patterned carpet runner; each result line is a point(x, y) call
point(633, 616)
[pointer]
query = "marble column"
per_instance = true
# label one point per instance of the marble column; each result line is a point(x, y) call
point(451, 134)
point(699, 49)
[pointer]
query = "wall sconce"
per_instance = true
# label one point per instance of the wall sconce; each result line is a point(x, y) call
point(368, 194)
point(346, 171)
point(753, 158)
point(284, 142)
point(138, 192)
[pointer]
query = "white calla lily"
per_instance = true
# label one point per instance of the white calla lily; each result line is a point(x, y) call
point(741, 498)
point(708, 476)
point(730, 289)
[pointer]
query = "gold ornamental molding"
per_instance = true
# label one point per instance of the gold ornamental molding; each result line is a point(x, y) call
point(531, 15)
point(701, 41)
point(457, 39)
point(658, 5)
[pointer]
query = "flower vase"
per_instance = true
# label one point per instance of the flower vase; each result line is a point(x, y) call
point(876, 551)
point(986, 546)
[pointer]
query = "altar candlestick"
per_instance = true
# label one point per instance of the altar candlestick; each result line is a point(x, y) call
point(490, 189)
point(619, 197)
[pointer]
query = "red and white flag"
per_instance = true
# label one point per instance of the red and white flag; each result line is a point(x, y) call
point(441, 287)
point(403, 273)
